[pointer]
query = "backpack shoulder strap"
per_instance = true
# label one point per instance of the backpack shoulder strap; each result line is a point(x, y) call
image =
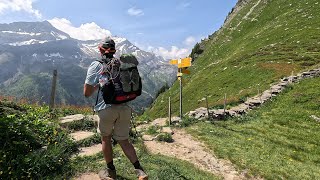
point(100, 61)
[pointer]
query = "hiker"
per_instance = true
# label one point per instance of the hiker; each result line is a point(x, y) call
point(114, 117)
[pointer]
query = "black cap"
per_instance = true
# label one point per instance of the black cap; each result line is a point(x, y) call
point(108, 43)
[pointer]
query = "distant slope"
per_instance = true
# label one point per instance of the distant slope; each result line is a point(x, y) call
point(260, 42)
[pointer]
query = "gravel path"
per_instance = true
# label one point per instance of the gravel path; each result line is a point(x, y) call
point(186, 148)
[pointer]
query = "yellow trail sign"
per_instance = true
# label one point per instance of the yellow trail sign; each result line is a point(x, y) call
point(186, 62)
point(174, 61)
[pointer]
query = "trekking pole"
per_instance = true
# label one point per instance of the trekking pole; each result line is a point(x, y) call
point(96, 101)
point(133, 124)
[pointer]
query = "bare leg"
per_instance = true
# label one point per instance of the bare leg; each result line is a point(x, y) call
point(107, 148)
point(128, 150)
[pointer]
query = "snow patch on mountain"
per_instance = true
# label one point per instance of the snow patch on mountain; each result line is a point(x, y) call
point(22, 33)
point(58, 36)
point(31, 41)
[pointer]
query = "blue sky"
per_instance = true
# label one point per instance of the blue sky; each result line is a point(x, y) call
point(167, 27)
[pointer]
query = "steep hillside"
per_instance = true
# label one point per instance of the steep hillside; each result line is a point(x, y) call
point(260, 42)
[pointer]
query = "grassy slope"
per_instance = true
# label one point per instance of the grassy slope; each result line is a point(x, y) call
point(278, 37)
point(278, 141)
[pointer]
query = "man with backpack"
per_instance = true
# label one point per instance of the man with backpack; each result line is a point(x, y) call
point(117, 82)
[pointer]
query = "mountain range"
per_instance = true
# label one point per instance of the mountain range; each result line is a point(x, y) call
point(30, 51)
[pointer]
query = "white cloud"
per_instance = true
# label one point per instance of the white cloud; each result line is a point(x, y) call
point(173, 53)
point(88, 31)
point(190, 41)
point(19, 5)
point(135, 12)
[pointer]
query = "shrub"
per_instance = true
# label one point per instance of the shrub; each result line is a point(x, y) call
point(166, 137)
point(187, 121)
point(32, 146)
point(152, 130)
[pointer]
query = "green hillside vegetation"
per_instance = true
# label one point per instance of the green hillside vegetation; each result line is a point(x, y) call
point(278, 141)
point(258, 44)
point(34, 146)
point(31, 86)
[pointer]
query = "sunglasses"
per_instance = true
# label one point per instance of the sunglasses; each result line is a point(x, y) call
point(108, 49)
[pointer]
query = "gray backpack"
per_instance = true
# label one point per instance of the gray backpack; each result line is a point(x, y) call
point(124, 79)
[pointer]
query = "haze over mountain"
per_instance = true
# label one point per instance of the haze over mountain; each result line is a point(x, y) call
point(29, 51)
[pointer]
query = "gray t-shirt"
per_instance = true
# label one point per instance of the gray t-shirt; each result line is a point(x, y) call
point(95, 76)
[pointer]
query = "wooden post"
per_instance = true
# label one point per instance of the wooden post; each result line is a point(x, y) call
point(169, 111)
point(259, 93)
point(53, 89)
point(207, 107)
point(225, 104)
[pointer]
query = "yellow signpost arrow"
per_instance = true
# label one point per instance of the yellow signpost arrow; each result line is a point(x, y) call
point(186, 62)
point(174, 61)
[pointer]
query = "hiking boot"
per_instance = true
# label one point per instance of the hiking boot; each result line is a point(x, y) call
point(107, 174)
point(141, 174)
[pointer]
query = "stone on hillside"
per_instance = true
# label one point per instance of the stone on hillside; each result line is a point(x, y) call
point(315, 118)
point(266, 95)
point(71, 118)
point(240, 109)
point(192, 113)
point(89, 151)
point(306, 73)
point(231, 113)
point(253, 102)
point(176, 119)
point(199, 116)
point(218, 113)
point(276, 87)
point(80, 135)
point(94, 118)
point(142, 127)
point(167, 130)
point(160, 122)
point(283, 83)
point(147, 137)
point(285, 79)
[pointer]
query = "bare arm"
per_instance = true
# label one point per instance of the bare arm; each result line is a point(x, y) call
point(88, 90)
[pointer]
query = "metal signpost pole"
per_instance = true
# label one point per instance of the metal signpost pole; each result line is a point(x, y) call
point(169, 114)
point(180, 78)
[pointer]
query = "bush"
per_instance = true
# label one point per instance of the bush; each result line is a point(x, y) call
point(187, 121)
point(152, 130)
point(32, 146)
point(166, 137)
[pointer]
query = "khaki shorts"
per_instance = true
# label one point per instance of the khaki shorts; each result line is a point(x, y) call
point(115, 120)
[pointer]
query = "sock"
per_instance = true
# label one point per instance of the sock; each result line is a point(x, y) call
point(111, 166)
point(137, 165)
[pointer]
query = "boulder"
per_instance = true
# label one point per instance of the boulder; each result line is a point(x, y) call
point(71, 118)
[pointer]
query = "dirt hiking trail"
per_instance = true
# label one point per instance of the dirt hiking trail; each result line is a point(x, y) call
point(186, 148)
